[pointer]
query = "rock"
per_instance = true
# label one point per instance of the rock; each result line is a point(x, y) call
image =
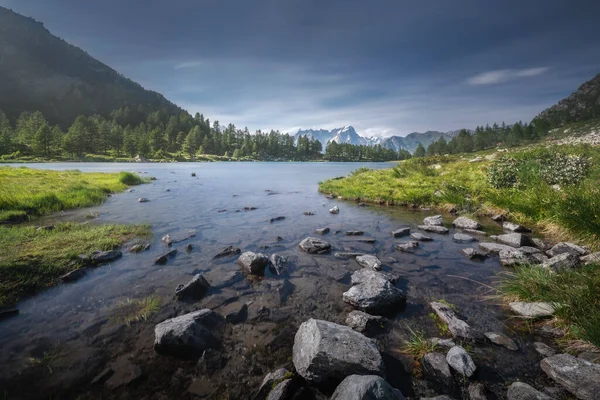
point(477, 391)
point(515, 240)
point(165, 257)
point(267, 384)
point(138, 248)
point(401, 232)
point(365, 387)
point(223, 280)
point(228, 252)
point(193, 290)
point(589, 356)
point(363, 322)
point(474, 254)
point(462, 238)
point(447, 343)
point(420, 237)
point(334, 210)
point(322, 231)
point(458, 327)
point(522, 391)
point(498, 218)
point(369, 240)
point(281, 218)
point(475, 232)
point(347, 254)
point(354, 233)
point(326, 352)
point(540, 244)
point(375, 296)
point(278, 239)
point(593, 258)
point(330, 196)
point(193, 174)
point(434, 228)
point(442, 397)
point(544, 349)
point(239, 316)
point(102, 257)
point(124, 372)
point(282, 391)
point(45, 228)
point(143, 200)
point(466, 223)
point(363, 275)
point(249, 208)
point(74, 275)
point(369, 261)
point(461, 361)
point(495, 248)
point(532, 310)
point(580, 377)
point(210, 361)
point(188, 335)
point(550, 331)
point(436, 366)
point(435, 220)
point(253, 263)
point(530, 250)
point(514, 257)
point(277, 263)
point(502, 340)
point(509, 226)
point(561, 261)
point(564, 247)
point(283, 288)
point(309, 213)
point(314, 245)
point(407, 247)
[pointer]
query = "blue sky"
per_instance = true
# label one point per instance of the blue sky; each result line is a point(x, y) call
point(384, 66)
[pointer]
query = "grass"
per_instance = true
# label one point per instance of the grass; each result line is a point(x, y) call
point(576, 291)
point(132, 310)
point(417, 347)
point(49, 358)
point(31, 260)
point(441, 325)
point(28, 193)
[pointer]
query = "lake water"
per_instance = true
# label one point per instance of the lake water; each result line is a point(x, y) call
point(76, 320)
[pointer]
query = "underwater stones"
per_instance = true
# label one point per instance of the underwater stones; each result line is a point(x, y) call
point(466, 223)
point(253, 263)
point(369, 261)
point(434, 229)
point(401, 232)
point(314, 245)
point(195, 289)
point(420, 237)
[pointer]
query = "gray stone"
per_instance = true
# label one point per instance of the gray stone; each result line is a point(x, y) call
point(540, 244)
point(365, 387)
point(282, 391)
point(593, 258)
point(407, 247)
point(275, 219)
point(461, 361)
point(532, 310)
point(253, 263)
point(434, 229)
point(277, 264)
point(238, 316)
point(369, 261)
point(565, 247)
point(495, 248)
point(436, 366)
point(498, 217)
point(224, 279)
point(462, 238)
point(314, 245)
point(466, 223)
point(475, 232)
point(354, 233)
point(375, 296)
point(101, 257)
point(189, 247)
point(514, 257)
point(441, 397)
point(589, 356)
point(322, 231)
point(544, 349)
point(363, 275)
point(143, 200)
point(580, 377)
point(502, 340)
point(515, 240)
point(334, 210)
point(435, 220)
point(420, 237)
point(209, 362)
point(458, 327)
point(446, 343)
point(347, 254)
point(267, 384)
point(326, 352)
point(509, 226)
point(530, 250)
point(228, 251)
point(550, 331)
point(522, 391)
point(363, 322)
point(165, 257)
point(477, 391)
point(474, 254)
point(194, 289)
point(401, 232)
point(138, 248)
point(561, 261)
point(74, 275)
point(188, 335)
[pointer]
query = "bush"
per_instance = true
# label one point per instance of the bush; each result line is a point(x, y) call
point(564, 169)
point(504, 173)
point(130, 179)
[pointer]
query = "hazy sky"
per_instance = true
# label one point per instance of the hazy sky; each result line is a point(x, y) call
point(384, 66)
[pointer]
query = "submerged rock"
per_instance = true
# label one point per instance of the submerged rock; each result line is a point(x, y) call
point(322, 231)
point(369, 261)
point(434, 229)
point(195, 289)
point(123, 373)
point(228, 251)
point(375, 296)
point(580, 377)
point(277, 263)
point(138, 248)
point(165, 257)
point(102, 257)
point(515, 240)
point(466, 223)
point(347, 254)
point(434, 220)
point(325, 352)
point(407, 247)
point(363, 322)
point(523, 391)
point(254, 263)
point(461, 361)
point(502, 340)
point(462, 238)
point(532, 310)
point(561, 261)
point(401, 232)
point(456, 326)
point(334, 210)
point(509, 226)
point(436, 366)
point(74, 275)
point(365, 387)
point(314, 245)
point(188, 335)
point(275, 219)
point(143, 200)
point(354, 233)
point(420, 237)
point(474, 254)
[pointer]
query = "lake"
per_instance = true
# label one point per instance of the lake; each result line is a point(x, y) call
point(76, 321)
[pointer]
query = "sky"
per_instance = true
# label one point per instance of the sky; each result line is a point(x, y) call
point(386, 67)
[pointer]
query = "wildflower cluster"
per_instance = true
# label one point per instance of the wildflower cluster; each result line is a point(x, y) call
point(564, 169)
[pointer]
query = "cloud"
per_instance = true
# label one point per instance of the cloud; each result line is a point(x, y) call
point(188, 64)
point(504, 75)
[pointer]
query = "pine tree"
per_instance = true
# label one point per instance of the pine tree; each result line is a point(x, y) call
point(420, 151)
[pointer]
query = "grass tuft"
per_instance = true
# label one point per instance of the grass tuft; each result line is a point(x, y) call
point(129, 311)
point(417, 347)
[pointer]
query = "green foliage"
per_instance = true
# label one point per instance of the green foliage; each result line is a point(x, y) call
point(420, 151)
point(441, 325)
point(504, 172)
point(129, 178)
point(129, 311)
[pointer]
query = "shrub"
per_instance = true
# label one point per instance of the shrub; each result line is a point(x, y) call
point(129, 179)
point(564, 169)
point(504, 172)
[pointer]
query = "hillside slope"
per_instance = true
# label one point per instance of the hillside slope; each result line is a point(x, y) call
point(41, 72)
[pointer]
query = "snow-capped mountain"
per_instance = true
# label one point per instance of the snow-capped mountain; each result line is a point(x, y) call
point(348, 134)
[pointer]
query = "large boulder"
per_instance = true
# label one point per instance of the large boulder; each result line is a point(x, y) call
point(458, 327)
point(532, 310)
point(254, 263)
point(188, 335)
point(515, 240)
point(461, 361)
point(375, 296)
point(369, 261)
point(565, 247)
point(580, 377)
point(436, 367)
point(314, 245)
point(435, 220)
point(365, 387)
point(325, 352)
point(195, 289)
point(522, 391)
point(561, 261)
point(466, 223)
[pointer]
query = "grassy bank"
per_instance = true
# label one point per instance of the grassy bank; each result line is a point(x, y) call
point(32, 259)
point(28, 193)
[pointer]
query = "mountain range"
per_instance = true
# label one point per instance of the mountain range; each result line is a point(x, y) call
point(348, 134)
